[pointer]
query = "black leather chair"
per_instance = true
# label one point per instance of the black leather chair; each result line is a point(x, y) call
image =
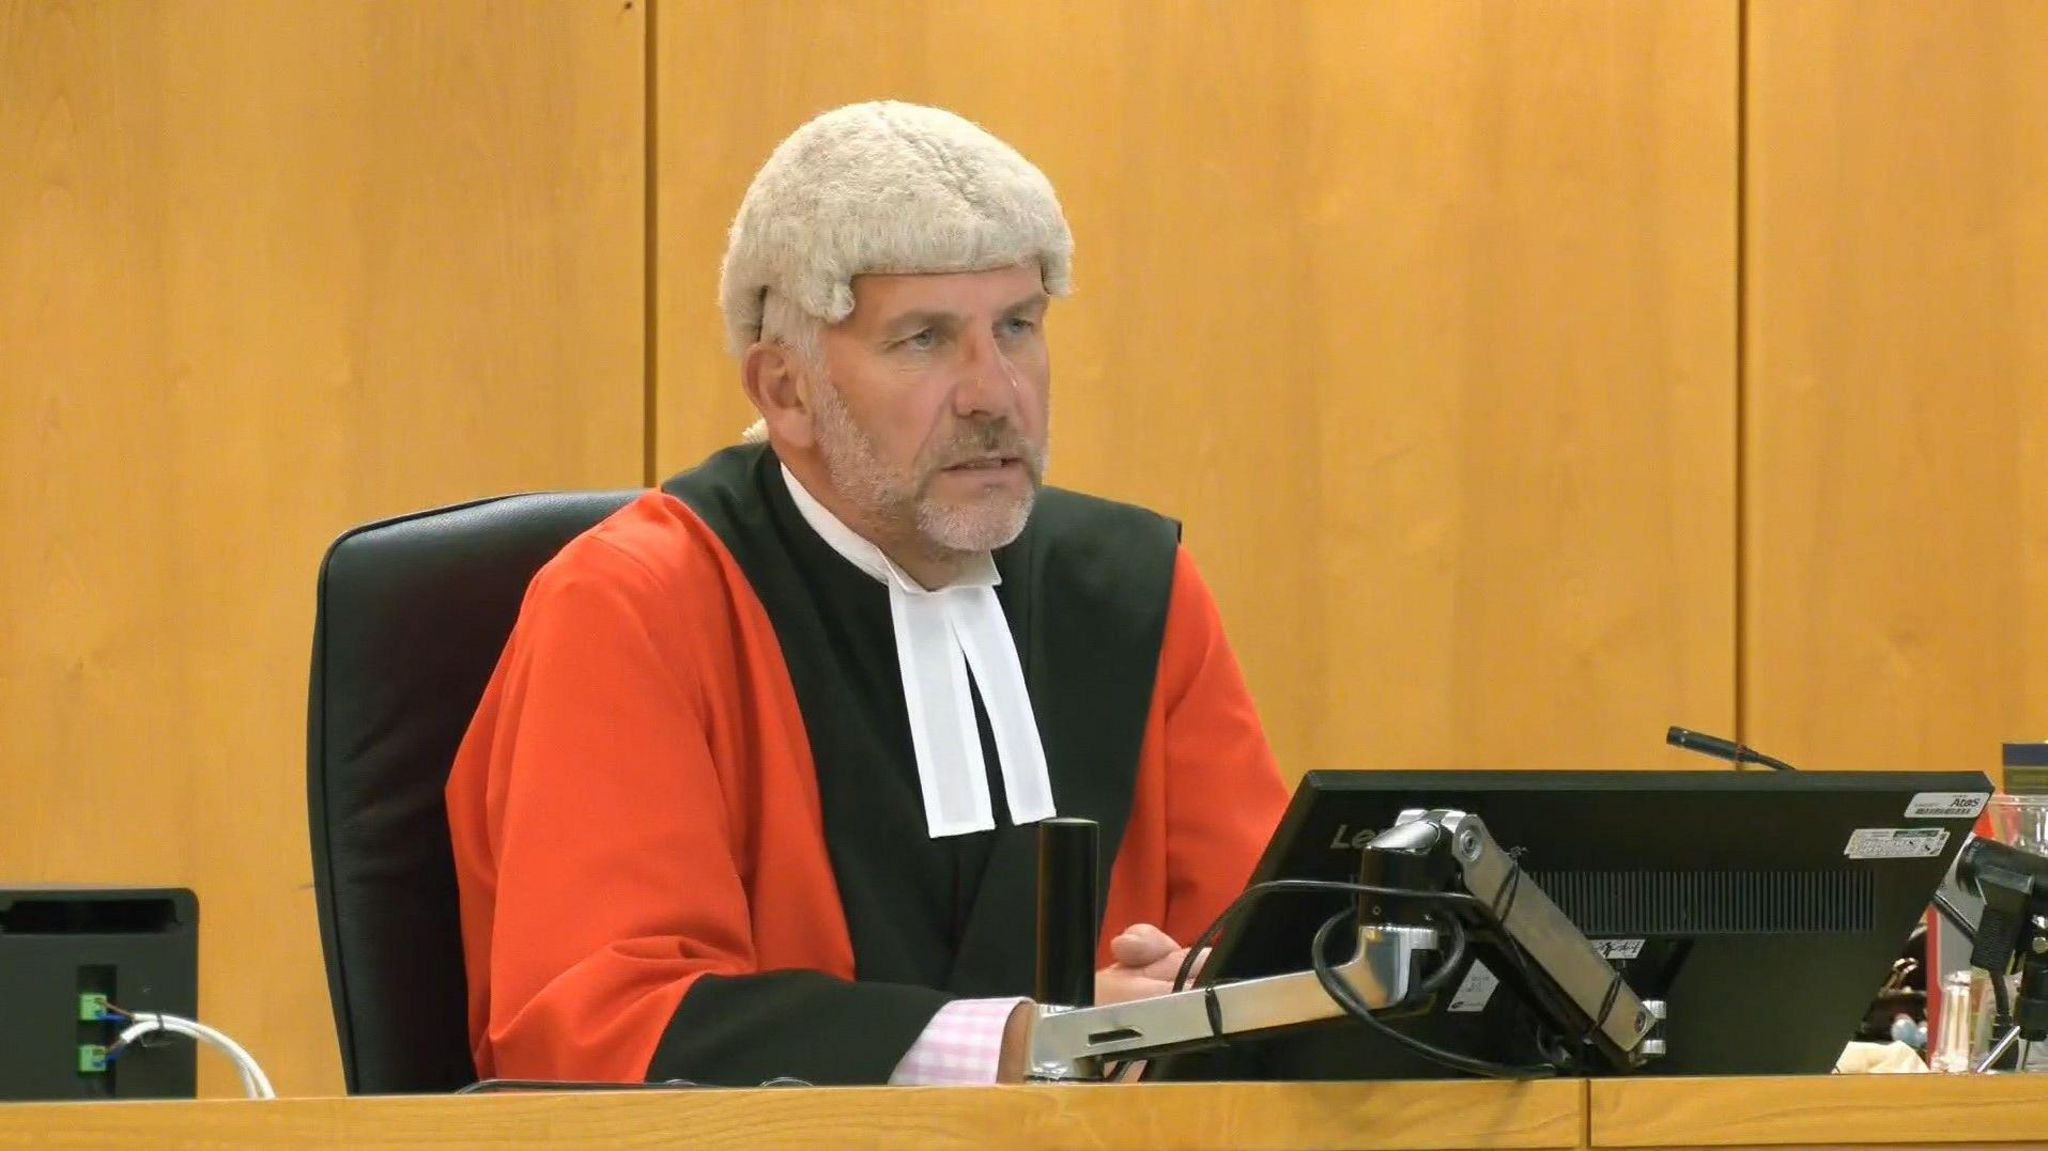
point(412, 615)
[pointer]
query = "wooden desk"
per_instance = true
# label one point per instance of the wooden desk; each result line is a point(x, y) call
point(1834, 1111)
point(1962, 1113)
point(1164, 1117)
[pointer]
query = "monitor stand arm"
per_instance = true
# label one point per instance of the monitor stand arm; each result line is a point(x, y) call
point(2030, 1015)
point(2028, 949)
point(1510, 922)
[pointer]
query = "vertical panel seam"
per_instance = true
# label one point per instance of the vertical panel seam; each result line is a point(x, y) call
point(650, 251)
point(1585, 1113)
point(1742, 405)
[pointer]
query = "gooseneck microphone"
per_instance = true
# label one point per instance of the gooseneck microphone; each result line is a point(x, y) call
point(1719, 748)
point(1738, 755)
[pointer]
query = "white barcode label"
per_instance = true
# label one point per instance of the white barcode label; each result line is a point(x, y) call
point(1896, 842)
point(1476, 989)
point(1947, 805)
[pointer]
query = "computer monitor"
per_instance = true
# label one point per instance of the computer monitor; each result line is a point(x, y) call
point(1764, 908)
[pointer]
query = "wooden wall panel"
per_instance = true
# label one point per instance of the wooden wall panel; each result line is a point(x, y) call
point(1420, 315)
point(267, 270)
point(1896, 433)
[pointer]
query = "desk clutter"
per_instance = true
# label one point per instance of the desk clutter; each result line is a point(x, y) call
point(1657, 968)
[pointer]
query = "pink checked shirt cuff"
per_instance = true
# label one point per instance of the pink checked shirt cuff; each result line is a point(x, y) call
point(961, 1046)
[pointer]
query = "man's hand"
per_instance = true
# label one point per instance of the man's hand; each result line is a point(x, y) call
point(1015, 1061)
point(1146, 958)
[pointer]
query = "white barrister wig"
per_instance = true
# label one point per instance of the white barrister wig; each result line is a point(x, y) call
point(885, 187)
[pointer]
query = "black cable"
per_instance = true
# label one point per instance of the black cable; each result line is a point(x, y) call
point(1502, 904)
point(1606, 1008)
point(2001, 1004)
point(1447, 967)
point(1504, 895)
point(1258, 891)
point(1341, 991)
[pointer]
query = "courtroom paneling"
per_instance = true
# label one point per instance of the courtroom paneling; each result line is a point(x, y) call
point(268, 270)
point(1420, 315)
point(1896, 362)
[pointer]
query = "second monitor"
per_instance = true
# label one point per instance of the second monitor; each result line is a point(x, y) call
point(1763, 909)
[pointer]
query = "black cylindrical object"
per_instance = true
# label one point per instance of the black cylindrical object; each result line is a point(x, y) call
point(1066, 912)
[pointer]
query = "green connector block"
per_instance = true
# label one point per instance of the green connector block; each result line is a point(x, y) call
point(92, 1059)
point(91, 1005)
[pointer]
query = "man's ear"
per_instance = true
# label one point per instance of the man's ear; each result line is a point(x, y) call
point(774, 379)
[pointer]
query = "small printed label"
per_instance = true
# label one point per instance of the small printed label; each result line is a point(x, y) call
point(1947, 805)
point(1618, 948)
point(1896, 842)
point(1475, 990)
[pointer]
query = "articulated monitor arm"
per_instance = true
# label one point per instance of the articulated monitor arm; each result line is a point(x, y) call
point(1509, 923)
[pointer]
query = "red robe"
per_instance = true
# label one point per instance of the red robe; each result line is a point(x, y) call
point(636, 808)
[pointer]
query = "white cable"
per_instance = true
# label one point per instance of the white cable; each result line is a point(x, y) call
point(254, 1082)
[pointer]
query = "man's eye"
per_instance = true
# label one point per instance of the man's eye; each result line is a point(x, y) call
point(922, 341)
point(1019, 326)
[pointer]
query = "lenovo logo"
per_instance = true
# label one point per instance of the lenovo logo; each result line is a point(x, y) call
point(1350, 839)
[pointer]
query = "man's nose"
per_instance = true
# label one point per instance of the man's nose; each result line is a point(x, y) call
point(987, 384)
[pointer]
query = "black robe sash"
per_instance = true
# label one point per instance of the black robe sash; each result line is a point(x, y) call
point(1085, 590)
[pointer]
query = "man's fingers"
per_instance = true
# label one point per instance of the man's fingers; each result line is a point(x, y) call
point(1142, 945)
point(1169, 967)
point(1166, 966)
point(1121, 985)
point(1125, 981)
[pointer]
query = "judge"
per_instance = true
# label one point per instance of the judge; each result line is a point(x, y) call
point(750, 793)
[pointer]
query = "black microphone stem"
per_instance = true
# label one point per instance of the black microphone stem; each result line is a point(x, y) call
point(1719, 748)
point(1955, 917)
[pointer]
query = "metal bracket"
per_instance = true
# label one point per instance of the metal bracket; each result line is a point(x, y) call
point(1554, 964)
point(1569, 970)
point(1073, 1043)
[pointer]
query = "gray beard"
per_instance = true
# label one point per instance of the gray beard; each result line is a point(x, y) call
point(901, 503)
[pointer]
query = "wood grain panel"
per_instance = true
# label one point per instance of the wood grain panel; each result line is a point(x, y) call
point(1831, 1110)
point(1420, 315)
point(1896, 430)
point(268, 270)
point(1239, 1117)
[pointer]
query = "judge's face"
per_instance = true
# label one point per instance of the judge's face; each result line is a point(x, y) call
point(932, 417)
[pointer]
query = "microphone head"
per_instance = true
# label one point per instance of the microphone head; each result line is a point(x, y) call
point(1719, 748)
point(1706, 744)
point(1988, 865)
point(1699, 741)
